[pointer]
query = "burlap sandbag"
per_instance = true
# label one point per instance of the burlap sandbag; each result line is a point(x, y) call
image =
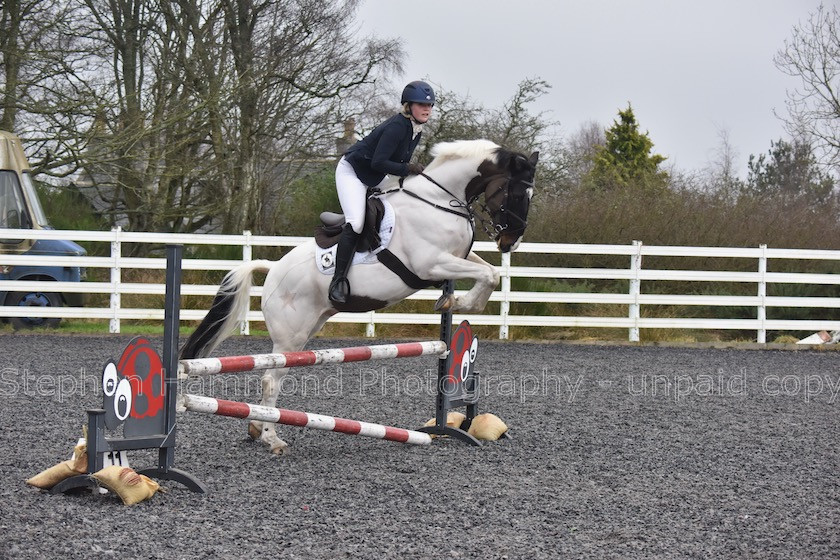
point(488, 427)
point(127, 484)
point(48, 478)
point(77, 465)
point(453, 419)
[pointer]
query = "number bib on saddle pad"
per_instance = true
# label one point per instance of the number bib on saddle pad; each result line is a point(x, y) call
point(325, 258)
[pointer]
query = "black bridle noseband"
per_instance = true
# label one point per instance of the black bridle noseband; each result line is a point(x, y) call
point(504, 213)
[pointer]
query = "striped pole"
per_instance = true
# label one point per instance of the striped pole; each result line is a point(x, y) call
point(230, 364)
point(233, 409)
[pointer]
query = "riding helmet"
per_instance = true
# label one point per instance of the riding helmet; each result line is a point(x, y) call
point(418, 92)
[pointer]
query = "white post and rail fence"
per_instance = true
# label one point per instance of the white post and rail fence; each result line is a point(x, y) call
point(620, 296)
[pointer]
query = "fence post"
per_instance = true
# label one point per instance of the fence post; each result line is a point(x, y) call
point(762, 295)
point(635, 290)
point(504, 307)
point(247, 255)
point(370, 329)
point(116, 276)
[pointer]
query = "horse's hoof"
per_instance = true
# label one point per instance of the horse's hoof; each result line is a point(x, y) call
point(253, 431)
point(280, 448)
point(445, 302)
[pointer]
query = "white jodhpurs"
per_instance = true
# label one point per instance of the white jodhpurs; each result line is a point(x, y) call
point(352, 195)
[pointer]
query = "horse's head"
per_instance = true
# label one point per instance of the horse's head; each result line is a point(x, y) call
point(507, 182)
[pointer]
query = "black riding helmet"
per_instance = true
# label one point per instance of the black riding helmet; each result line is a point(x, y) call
point(418, 92)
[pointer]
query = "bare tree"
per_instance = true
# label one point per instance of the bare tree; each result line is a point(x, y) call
point(184, 112)
point(515, 126)
point(25, 45)
point(720, 176)
point(813, 55)
point(267, 81)
point(39, 57)
point(124, 35)
point(581, 148)
point(296, 62)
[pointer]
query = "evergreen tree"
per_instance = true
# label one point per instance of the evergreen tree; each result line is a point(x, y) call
point(625, 160)
point(789, 170)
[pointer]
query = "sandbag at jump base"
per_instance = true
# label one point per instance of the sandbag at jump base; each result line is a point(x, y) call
point(488, 427)
point(75, 466)
point(131, 487)
point(454, 419)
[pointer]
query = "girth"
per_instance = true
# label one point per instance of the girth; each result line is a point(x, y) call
point(395, 265)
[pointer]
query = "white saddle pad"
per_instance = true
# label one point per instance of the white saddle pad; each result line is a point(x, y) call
point(325, 258)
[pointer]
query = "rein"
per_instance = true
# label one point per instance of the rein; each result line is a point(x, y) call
point(395, 264)
point(454, 203)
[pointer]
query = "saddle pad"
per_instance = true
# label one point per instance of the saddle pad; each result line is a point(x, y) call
point(325, 258)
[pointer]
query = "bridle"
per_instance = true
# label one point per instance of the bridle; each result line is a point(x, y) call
point(505, 215)
point(494, 223)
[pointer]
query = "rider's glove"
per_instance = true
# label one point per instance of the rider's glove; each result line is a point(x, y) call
point(415, 168)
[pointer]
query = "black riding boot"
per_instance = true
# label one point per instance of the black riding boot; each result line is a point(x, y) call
point(339, 291)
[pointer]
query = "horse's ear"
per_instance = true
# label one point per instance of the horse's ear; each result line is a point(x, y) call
point(519, 163)
point(534, 158)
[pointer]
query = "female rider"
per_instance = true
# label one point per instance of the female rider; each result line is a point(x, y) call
point(385, 151)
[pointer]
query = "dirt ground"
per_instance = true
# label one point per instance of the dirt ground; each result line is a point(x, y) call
point(617, 452)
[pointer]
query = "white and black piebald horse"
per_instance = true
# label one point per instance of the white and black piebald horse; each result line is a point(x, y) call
point(432, 237)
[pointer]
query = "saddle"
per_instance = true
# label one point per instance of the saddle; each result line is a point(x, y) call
point(328, 233)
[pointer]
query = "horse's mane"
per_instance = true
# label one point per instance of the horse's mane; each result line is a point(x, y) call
point(460, 149)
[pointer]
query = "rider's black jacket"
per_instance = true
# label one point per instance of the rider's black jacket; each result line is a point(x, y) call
point(385, 151)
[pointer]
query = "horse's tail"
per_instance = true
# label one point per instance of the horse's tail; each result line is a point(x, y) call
point(229, 306)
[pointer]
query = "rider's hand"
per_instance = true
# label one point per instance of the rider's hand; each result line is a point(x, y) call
point(415, 168)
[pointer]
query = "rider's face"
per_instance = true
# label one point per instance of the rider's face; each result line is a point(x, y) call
point(421, 111)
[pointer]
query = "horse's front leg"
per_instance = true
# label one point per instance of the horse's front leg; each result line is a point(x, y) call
point(473, 267)
point(266, 432)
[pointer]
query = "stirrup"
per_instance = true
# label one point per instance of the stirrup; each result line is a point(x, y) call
point(339, 290)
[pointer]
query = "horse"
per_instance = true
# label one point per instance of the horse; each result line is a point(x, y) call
point(432, 240)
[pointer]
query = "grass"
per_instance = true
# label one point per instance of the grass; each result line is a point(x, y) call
point(413, 332)
point(93, 327)
point(331, 330)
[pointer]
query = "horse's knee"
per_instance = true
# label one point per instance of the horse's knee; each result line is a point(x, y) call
point(493, 276)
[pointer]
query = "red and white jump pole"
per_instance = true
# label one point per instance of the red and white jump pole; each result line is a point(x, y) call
point(234, 409)
point(231, 364)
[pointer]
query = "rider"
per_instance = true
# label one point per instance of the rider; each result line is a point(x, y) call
point(385, 151)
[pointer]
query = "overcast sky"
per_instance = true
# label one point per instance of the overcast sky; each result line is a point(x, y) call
point(692, 70)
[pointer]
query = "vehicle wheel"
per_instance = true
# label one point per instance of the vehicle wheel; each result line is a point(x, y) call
point(34, 299)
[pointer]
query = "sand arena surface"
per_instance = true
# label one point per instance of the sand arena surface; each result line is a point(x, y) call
point(617, 452)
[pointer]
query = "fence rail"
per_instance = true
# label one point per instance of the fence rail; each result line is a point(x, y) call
point(629, 303)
